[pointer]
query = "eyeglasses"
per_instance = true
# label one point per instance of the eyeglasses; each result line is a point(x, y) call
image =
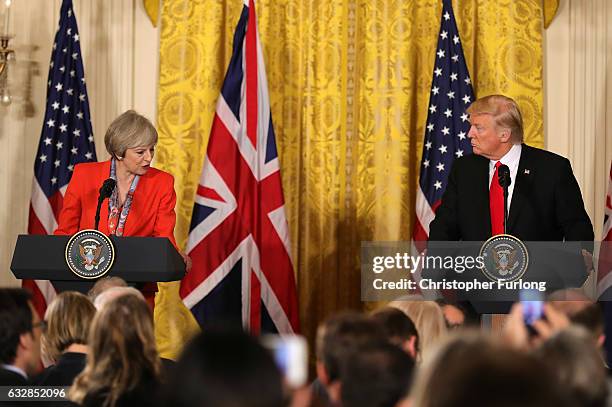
point(40, 324)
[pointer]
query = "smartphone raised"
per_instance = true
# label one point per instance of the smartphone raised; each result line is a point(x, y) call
point(532, 302)
point(290, 353)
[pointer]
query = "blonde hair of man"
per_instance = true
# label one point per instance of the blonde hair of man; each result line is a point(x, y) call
point(505, 113)
point(68, 319)
point(129, 130)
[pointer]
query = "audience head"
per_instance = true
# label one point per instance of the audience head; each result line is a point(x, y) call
point(104, 284)
point(379, 375)
point(574, 358)
point(225, 369)
point(68, 318)
point(122, 350)
point(581, 310)
point(470, 369)
point(112, 293)
point(20, 330)
point(339, 337)
point(428, 319)
point(398, 328)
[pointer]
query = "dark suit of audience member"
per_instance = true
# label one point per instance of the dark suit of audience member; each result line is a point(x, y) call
point(20, 331)
point(11, 378)
point(63, 372)
point(145, 394)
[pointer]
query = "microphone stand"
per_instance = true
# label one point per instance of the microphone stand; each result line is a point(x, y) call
point(505, 209)
point(105, 191)
point(100, 200)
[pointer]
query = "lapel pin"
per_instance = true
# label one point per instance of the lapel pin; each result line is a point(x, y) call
point(526, 172)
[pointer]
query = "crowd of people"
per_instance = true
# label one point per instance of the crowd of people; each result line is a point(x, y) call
point(409, 353)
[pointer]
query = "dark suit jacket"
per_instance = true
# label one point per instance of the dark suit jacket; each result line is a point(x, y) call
point(63, 372)
point(546, 203)
point(151, 214)
point(10, 378)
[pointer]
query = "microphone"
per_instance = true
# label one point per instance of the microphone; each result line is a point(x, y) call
point(105, 191)
point(503, 175)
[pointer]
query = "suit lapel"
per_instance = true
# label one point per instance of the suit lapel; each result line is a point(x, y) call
point(522, 186)
point(141, 193)
point(481, 200)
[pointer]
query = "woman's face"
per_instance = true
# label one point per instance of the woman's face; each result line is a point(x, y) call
point(137, 160)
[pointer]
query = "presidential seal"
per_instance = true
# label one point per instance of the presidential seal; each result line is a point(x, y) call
point(90, 254)
point(505, 258)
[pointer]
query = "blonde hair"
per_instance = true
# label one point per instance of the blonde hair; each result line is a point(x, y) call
point(121, 351)
point(129, 130)
point(428, 319)
point(505, 112)
point(68, 319)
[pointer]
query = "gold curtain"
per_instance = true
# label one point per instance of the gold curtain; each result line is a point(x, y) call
point(349, 87)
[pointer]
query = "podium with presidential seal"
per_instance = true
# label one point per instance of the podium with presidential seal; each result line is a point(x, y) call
point(76, 262)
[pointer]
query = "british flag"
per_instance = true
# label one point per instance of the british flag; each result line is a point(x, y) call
point(239, 238)
point(447, 123)
point(66, 139)
point(604, 266)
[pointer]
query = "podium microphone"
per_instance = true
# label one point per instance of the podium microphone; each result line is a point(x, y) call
point(503, 174)
point(105, 191)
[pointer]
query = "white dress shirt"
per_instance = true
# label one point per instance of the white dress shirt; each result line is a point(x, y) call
point(15, 369)
point(511, 159)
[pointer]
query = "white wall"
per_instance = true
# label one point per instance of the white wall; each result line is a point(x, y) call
point(120, 56)
point(578, 92)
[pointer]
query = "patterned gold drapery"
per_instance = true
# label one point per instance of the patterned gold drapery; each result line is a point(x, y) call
point(349, 86)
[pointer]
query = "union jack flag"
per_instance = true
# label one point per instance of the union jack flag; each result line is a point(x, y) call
point(604, 267)
point(239, 238)
point(66, 139)
point(447, 124)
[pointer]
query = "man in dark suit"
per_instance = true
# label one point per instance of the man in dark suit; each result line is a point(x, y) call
point(544, 199)
point(20, 331)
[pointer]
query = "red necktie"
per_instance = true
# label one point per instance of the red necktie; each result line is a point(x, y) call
point(496, 204)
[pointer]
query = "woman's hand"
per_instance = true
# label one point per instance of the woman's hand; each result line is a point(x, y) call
point(188, 262)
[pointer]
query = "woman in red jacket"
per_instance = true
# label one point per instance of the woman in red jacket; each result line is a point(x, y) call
point(142, 203)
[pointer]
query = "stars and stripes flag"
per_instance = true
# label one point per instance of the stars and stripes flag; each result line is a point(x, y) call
point(604, 264)
point(447, 124)
point(239, 238)
point(66, 139)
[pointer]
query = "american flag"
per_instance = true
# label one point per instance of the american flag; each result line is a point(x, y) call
point(66, 139)
point(447, 124)
point(239, 238)
point(604, 266)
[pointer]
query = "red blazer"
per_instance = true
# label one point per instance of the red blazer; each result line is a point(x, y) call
point(151, 214)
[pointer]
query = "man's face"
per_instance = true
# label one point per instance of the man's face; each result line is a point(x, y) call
point(31, 343)
point(487, 139)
